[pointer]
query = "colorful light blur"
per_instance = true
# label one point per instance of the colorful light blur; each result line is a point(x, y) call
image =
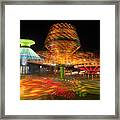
point(33, 87)
point(62, 41)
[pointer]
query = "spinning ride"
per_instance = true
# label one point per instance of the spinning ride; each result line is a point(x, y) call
point(62, 41)
point(27, 54)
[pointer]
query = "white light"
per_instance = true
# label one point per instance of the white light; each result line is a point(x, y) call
point(75, 66)
point(24, 61)
point(40, 66)
point(53, 64)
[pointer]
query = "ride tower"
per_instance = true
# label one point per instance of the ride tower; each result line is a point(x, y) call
point(62, 41)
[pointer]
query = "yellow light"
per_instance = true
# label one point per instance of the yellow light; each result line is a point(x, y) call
point(84, 59)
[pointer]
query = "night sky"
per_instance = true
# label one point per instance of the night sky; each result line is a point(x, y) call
point(37, 30)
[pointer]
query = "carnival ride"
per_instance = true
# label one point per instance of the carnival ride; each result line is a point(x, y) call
point(27, 54)
point(62, 41)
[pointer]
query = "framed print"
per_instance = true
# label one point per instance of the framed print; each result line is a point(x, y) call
point(53, 72)
point(60, 59)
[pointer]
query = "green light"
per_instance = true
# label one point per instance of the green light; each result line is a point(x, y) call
point(62, 72)
point(26, 42)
